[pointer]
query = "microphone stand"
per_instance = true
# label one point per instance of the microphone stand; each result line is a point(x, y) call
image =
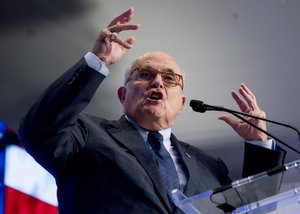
point(199, 106)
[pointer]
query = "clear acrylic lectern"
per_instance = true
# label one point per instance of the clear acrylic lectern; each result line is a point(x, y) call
point(274, 191)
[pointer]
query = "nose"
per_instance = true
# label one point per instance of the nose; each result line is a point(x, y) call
point(157, 82)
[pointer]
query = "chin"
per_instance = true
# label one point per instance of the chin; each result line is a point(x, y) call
point(153, 111)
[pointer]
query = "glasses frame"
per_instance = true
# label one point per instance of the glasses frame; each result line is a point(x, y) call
point(180, 82)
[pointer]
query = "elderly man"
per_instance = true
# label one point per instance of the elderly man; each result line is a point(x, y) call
point(129, 165)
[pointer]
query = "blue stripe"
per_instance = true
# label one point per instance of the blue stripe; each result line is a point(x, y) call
point(273, 144)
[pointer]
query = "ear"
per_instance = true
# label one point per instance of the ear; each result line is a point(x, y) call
point(122, 94)
point(183, 99)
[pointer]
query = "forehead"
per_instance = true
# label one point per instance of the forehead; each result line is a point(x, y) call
point(157, 60)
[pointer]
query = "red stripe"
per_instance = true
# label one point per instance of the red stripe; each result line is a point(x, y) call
point(17, 202)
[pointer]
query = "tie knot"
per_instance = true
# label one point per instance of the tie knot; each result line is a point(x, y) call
point(155, 139)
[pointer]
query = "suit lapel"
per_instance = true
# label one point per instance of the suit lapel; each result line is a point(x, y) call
point(190, 166)
point(129, 137)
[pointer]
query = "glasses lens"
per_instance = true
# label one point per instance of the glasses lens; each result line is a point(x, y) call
point(170, 78)
point(146, 74)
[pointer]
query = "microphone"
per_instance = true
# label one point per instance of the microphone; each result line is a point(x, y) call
point(200, 106)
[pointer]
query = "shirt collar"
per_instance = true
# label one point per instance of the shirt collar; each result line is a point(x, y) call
point(166, 133)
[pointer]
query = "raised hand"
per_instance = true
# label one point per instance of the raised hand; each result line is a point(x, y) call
point(109, 46)
point(247, 104)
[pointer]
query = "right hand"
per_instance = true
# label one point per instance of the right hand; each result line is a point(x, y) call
point(247, 105)
point(110, 51)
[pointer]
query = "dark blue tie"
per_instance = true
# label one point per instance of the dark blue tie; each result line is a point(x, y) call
point(165, 164)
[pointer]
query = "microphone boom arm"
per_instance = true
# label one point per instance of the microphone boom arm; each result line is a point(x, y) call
point(199, 106)
point(264, 131)
point(219, 108)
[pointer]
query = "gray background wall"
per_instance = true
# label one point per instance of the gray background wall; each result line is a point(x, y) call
point(218, 43)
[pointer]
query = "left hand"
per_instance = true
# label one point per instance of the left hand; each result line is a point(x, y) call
point(247, 105)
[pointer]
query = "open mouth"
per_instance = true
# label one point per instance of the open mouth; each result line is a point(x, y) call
point(156, 96)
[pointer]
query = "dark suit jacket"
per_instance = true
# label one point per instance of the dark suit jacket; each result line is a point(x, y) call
point(104, 166)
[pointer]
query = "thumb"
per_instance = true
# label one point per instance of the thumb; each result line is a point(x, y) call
point(228, 119)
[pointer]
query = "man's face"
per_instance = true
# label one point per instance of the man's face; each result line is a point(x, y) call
point(153, 103)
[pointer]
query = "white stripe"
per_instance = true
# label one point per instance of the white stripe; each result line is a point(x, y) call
point(24, 174)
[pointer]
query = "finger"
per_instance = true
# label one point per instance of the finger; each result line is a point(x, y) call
point(240, 102)
point(122, 27)
point(123, 18)
point(126, 18)
point(248, 96)
point(109, 32)
point(125, 43)
point(247, 90)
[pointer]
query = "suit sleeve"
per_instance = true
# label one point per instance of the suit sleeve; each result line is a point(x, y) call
point(258, 159)
point(51, 131)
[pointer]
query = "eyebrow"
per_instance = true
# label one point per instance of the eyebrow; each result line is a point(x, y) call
point(167, 69)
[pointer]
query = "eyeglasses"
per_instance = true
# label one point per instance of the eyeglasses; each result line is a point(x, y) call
point(148, 74)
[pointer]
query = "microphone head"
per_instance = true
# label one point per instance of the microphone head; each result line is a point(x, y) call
point(198, 106)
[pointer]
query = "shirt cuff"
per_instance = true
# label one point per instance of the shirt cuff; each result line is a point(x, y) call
point(94, 62)
point(269, 144)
